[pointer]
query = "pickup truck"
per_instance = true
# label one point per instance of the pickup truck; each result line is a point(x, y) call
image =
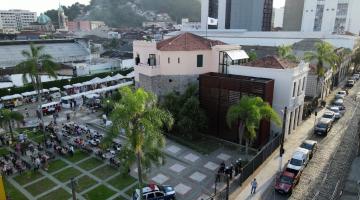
point(286, 181)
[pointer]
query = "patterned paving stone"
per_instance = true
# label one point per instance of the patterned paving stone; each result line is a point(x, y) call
point(223, 156)
point(182, 188)
point(177, 168)
point(212, 166)
point(191, 157)
point(173, 149)
point(197, 176)
point(160, 178)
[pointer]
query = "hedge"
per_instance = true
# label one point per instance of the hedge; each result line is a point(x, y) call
point(60, 83)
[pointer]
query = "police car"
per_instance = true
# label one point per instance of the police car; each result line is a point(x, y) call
point(155, 192)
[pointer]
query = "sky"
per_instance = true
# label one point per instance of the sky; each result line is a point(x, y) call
point(43, 5)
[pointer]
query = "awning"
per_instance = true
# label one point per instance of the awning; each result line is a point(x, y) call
point(237, 54)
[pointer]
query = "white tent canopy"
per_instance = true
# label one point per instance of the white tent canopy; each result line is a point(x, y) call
point(54, 89)
point(68, 86)
point(9, 97)
point(130, 75)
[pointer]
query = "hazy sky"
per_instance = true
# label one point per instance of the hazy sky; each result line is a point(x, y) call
point(43, 5)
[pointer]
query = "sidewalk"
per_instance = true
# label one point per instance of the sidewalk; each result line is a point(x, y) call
point(266, 173)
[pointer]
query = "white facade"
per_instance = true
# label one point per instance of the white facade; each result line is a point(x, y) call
point(289, 91)
point(279, 16)
point(338, 16)
point(323, 85)
point(16, 20)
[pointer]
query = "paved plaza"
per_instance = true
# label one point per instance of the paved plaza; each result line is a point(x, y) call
point(191, 173)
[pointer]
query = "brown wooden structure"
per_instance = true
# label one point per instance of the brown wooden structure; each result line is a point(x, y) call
point(219, 91)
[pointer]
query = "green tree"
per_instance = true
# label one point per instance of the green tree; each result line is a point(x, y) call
point(356, 59)
point(7, 117)
point(247, 114)
point(286, 52)
point(137, 113)
point(252, 56)
point(33, 67)
point(323, 56)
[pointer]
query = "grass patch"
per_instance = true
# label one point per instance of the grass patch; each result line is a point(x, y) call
point(131, 190)
point(27, 177)
point(58, 194)
point(40, 186)
point(122, 181)
point(90, 163)
point(67, 174)
point(56, 165)
point(78, 155)
point(100, 192)
point(84, 183)
point(4, 151)
point(105, 172)
point(12, 192)
point(120, 198)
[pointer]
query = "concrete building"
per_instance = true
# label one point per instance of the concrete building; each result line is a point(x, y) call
point(331, 16)
point(289, 89)
point(171, 64)
point(15, 20)
point(252, 15)
point(293, 13)
point(84, 25)
point(318, 87)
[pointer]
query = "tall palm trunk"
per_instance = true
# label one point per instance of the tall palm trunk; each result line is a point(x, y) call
point(11, 131)
point(241, 132)
point(138, 157)
point(39, 90)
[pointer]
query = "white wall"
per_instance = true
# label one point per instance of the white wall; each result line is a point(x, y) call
point(279, 15)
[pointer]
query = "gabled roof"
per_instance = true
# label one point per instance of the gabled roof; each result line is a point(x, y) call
point(187, 42)
point(272, 62)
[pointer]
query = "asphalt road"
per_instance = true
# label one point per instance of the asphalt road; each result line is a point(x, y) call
point(322, 178)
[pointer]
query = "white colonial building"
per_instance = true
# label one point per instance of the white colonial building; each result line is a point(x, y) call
point(289, 90)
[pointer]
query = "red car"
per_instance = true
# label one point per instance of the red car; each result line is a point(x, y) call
point(286, 182)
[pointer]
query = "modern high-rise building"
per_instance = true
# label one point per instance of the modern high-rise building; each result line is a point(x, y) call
point(293, 14)
point(16, 20)
point(254, 15)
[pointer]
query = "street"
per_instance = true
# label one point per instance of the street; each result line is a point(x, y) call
point(322, 178)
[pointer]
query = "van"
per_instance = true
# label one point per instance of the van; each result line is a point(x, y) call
point(299, 160)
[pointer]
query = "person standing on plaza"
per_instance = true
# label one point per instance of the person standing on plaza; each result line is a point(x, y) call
point(253, 186)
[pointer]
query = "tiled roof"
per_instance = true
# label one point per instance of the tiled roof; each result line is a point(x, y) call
point(272, 62)
point(187, 42)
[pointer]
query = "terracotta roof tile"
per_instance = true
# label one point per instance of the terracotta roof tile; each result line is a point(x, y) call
point(272, 62)
point(187, 42)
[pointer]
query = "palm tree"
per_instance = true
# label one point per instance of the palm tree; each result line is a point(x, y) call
point(137, 113)
point(37, 63)
point(7, 117)
point(324, 55)
point(248, 113)
point(356, 59)
point(286, 52)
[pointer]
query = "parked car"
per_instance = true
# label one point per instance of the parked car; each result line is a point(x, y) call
point(299, 160)
point(356, 76)
point(339, 103)
point(286, 181)
point(310, 145)
point(338, 113)
point(155, 192)
point(340, 94)
point(350, 83)
point(323, 126)
point(329, 115)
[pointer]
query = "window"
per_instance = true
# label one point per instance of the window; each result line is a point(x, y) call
point(199, 60)
point(152, 60)
point(303, 84)
point(294, 89)
point(150, 196)
point(299, 91)
point(169, 60)
point(178, 60)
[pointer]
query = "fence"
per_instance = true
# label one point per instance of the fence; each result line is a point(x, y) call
point(248, 169)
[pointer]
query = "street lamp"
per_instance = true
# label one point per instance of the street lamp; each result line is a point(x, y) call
point(9, 90)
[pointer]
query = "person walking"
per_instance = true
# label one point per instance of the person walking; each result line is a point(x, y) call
point(253, 186)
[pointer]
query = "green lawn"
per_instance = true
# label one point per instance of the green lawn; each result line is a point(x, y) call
point(104, 172)
point(84, 183)
point(56, 165)
point(131, 190)
point(27, 177)
point(100, 192)
point(78, 155)
point(67, 174)
point(59, 194)
point(122, 181)
point(12, 192)
point(40, 186)
point(4, 151)
point(120, 198)
point(90, 163)
point(36, 136)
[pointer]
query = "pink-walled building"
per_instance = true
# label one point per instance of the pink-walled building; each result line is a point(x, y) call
point(171, 64)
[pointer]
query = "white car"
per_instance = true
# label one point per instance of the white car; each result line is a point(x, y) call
point(299, 159)
point(336, 111)
point(329, 115)
point(340, 94)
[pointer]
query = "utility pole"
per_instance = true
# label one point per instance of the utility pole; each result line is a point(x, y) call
point(73, 188)
point(282, 150)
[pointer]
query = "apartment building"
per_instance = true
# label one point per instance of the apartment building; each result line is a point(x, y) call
point(16, 20)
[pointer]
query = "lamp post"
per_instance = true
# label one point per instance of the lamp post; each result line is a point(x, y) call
point(9, 90)
point(282, 150)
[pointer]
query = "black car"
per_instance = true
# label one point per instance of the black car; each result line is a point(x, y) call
point(310, 145)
